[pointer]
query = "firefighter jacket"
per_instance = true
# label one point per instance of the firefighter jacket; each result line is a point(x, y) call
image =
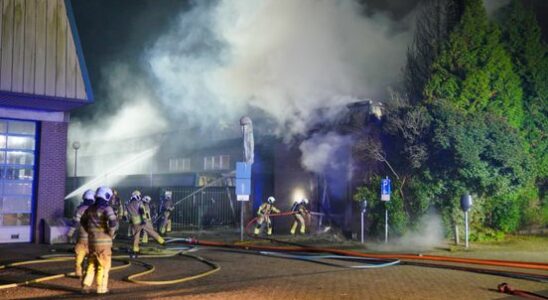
point(100, 222)
point(167, 206)
point(134, 211)
point(145, 211)
point(299, 208)
point(266, 209)
point(118, 206)
point(78, 213)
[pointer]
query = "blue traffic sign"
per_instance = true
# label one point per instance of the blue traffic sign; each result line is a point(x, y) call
point(385, 189)
point(385, 186)
point(243, 186)
point(243, 170)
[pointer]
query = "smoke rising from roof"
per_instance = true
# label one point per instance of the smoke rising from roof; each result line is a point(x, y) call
point(279, 61)
point(285, 58)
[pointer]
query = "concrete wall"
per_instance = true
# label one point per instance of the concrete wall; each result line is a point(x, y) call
point(50, 185)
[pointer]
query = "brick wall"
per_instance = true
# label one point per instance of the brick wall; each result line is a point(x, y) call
point(51, 175)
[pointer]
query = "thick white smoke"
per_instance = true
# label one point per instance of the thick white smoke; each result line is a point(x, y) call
point(286, 58)
point(282, 59)
point(107, 140)
point(322, 153)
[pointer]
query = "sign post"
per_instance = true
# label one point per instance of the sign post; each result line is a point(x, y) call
point(243, 190)
point(465, 205)
point(385, 196)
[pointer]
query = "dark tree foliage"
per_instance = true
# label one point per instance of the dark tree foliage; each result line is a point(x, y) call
point(474, 71)
point(522, 38)
point(435, 21)
point(475, 152)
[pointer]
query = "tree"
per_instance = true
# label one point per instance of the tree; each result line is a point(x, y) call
point(522, 38)
point(434, 22)
point(479, 153)
point(474, 71)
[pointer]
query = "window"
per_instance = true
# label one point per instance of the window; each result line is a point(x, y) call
point(219, 162)
point(17, 162)
point(209, 162)
point(179, 164)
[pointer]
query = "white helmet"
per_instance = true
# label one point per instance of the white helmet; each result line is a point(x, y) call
point(271, 200)
point(147, 199)
point(304, 200)
point(168, 194)
point(136, 195)
point(104, 193)
point(88, 195)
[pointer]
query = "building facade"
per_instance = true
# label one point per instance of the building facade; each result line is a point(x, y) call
point(42, 77)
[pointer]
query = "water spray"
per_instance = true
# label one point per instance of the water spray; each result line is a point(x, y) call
point(115, 170)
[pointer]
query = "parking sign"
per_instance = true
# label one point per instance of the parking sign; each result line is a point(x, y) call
point(385, 189)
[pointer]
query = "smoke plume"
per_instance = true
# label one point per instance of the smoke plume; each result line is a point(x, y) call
point(279, 61)
point(285, 58)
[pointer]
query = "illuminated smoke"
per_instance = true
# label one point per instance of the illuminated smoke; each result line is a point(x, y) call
point(279, 61)
point(284, 58)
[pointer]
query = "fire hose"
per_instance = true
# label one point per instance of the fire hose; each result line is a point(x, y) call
point(183, 251)
point(507, 289)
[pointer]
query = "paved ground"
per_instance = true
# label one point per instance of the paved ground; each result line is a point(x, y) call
point(246, 275)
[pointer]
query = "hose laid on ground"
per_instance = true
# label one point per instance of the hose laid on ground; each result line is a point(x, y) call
point(49, 277)
point(489, 262)
point(61, 258)
point(507, 289)
point(320, 258)
point(132, 278)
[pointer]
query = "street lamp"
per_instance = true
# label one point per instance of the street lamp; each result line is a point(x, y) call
point(75, 146)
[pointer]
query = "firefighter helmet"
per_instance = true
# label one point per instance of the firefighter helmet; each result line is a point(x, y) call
point(88, 195)
point(147, 199)
point(271, 200)
point(104, 193)
point(136, 195)
point(304, 200)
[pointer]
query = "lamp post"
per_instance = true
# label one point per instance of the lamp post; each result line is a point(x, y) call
point(75, 146)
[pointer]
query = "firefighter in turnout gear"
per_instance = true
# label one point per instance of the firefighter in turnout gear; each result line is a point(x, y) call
point(141, 221)
point(132, 208)
point(263, 215)
point(100, 222)
point(166, 210)
point(81, 247)
point(117, 205)
point(147, 216)
point(299, 211)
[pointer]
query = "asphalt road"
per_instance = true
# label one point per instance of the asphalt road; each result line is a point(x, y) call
point(246, 275)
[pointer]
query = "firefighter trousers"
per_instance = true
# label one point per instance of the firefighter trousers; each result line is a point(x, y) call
point(299, 219)
point(81, 250)
point(165, 225)
point(263, 219)
point(99, 262)
point(147, 228)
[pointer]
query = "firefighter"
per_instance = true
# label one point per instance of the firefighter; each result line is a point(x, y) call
point(263, 215)
point(140, 220)
point(299, 210)
point(147, 216)
point(166, 210)
point(117, 205)
point(81, 247)
point(132, 208)
point(100, 222)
